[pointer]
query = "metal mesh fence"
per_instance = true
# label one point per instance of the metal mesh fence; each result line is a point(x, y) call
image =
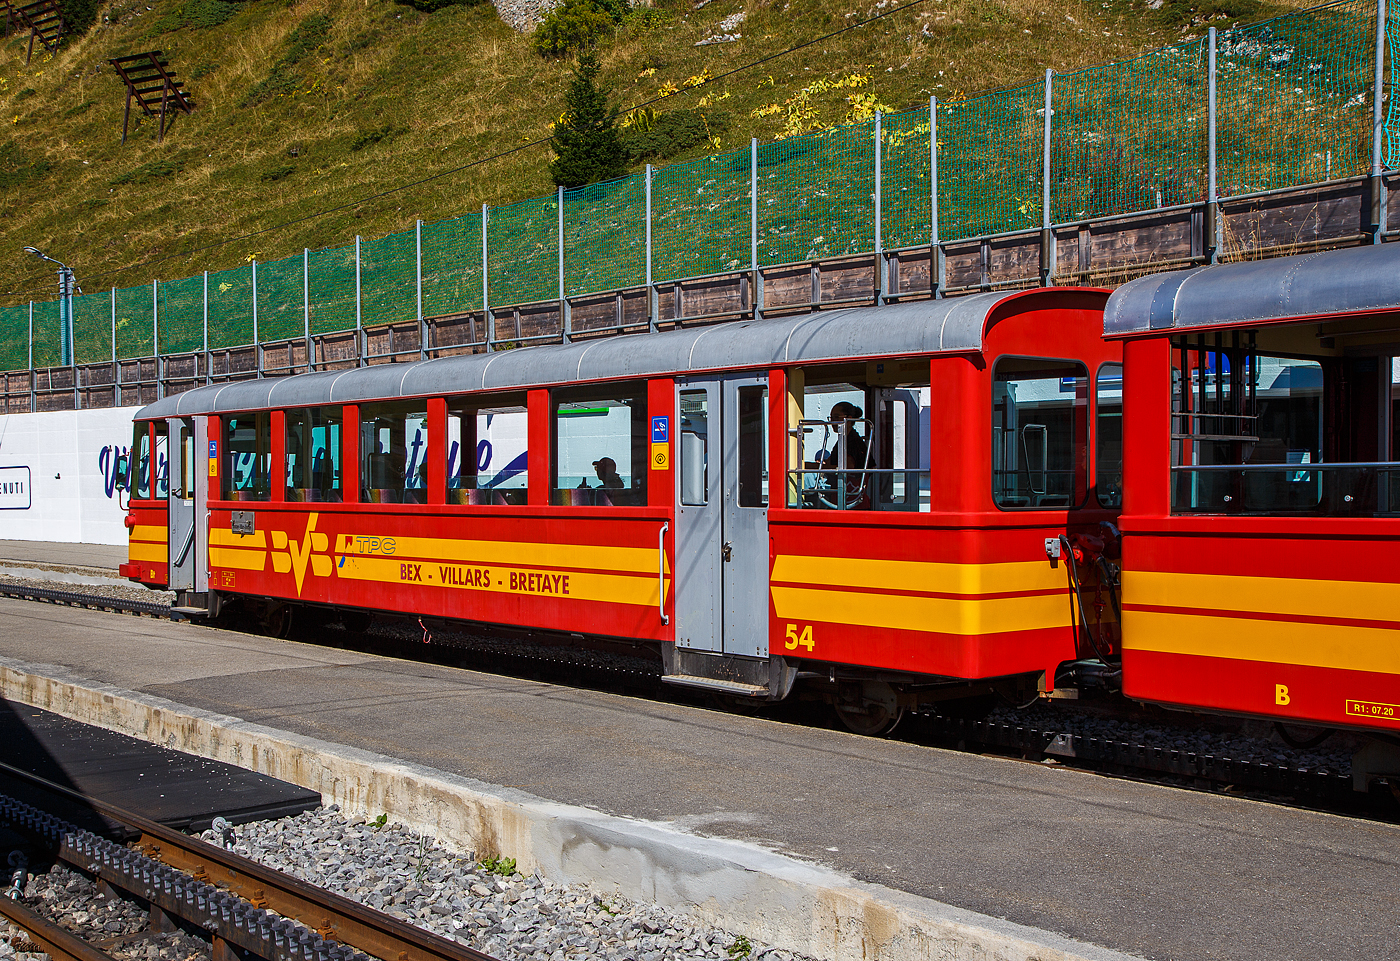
point(1130, 136)
point(331, 280)
point(452, 266)
point(1294, 106)
point(700, 217)
point(14, 337)
point(1294, 98)
point(182, 315)
point(523, 260)
point(388, 278)
point(48, 343)
point(605, 236)
point(990, 151)
point(92, 327)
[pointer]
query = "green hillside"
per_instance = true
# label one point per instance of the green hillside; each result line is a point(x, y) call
point(312, 105)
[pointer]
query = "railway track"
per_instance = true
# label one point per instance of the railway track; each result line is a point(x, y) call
point(1276, 781)
point(247, 909)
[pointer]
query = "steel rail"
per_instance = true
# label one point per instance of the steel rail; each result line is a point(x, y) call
point(58, 944)
point(215, 873)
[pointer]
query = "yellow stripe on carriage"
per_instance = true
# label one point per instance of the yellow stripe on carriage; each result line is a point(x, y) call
point(139, 551)
point(1289, 596)
point(1304, 643)
point(151, 533)
point(857, 572)
point(228, 557)
point(943, 615)
point(637, 560)
point(618, 588)
point(223, 537)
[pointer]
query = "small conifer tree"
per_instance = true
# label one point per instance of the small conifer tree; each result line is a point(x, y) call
point(586, 145)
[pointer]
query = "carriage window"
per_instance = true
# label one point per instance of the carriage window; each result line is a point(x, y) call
point(857, 436)
point(1039, 443)
point(140, 483)
point(600, 447)
point(487, 459)
point(393, 453)
point(1108, 481)
point(753, 446)
point(313, 454)
point(695, 448)
point(247, 457)
point(162, 460)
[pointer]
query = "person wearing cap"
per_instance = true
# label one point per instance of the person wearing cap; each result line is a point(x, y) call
point(606, 469)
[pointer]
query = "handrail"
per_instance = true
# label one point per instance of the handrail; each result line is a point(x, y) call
point(661, 571)
point(1309, 466)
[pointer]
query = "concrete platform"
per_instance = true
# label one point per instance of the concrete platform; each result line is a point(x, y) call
point(834, 845)
point(52, 554)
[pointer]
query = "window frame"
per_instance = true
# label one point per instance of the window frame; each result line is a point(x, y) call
point(637, 391)
point(1080, 452)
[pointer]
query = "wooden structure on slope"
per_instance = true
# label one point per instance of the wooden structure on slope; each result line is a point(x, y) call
point(42, 18)
point(152, 84)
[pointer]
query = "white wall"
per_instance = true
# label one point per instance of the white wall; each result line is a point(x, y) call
point(71, 456)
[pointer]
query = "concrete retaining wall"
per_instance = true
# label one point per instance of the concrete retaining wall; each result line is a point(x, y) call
point(737, 886)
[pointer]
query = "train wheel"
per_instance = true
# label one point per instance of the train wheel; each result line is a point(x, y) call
point(871, 708)
point(277, 622)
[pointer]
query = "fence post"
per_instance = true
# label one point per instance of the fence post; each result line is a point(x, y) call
point(753, 230)
point(488, 321)
point(116, 367)
point(882, 280)
point(257, 341)
point(208, 360)
point(306, 308)
point(33, 380)
point(653, 305)
point(938, 264)
point(565, 316)
point(361, 342)
point(155, 338)
point(1378, 198)
point(1210, 229)
point(418, 288)
point(1047, 233)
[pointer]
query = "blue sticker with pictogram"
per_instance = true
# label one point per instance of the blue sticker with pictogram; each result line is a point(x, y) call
point(213, 448)
point(660, 430)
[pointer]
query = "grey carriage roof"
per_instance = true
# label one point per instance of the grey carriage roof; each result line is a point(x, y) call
point(918, 327)
point(1309, 285)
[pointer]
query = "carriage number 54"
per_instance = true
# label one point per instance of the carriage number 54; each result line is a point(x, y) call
point(794, 640)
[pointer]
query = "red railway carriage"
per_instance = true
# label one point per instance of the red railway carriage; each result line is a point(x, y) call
point(1260, 524)
point(875, 499)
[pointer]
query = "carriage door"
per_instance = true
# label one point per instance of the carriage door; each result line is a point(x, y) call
point(722, 516)
point(185, 502)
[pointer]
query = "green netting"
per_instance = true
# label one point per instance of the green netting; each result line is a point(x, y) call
point(1391, 134)
point(816, 195)
point(281, 300)
point(388, 281)
point(331, 274)
point(231, 307)
point(1294, 98)
point(452, 266)
point(181, 325)
point(92, 327)
point(48, 346)
point(14, 337)
point(605, 234)
point(700, 217)
point(1130, 136)
point(905, 183)
point(523, 259)
point(135, 314)
point(990, 157)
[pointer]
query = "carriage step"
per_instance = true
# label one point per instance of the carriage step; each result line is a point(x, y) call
point(737, 688)
point(181, 613)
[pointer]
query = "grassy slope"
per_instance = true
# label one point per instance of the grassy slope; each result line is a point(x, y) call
point(442, 90)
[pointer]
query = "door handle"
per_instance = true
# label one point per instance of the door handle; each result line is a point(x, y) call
point(727, 551)
point(661, 571)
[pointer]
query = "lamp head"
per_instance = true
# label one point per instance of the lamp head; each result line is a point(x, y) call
point(34, 250)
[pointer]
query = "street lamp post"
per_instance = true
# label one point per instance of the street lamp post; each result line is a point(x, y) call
point(65, 310)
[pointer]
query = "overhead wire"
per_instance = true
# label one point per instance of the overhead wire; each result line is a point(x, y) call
point(884, 14)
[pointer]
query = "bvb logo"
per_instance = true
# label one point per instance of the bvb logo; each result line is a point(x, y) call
point(289, 555)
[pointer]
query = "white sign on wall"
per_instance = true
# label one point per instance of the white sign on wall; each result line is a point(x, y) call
point(67, 463)
point(14, 489)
